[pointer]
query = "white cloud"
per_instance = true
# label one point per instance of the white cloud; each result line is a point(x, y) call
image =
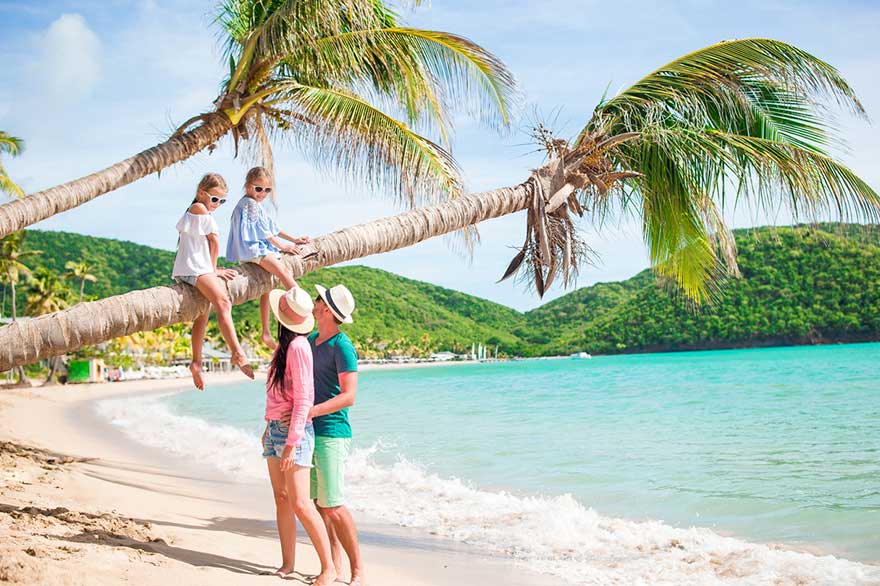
point(70, 58)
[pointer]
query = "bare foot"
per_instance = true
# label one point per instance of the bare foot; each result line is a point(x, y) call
point(325, 578)
point(196, 372)
point(356, 580)
point(268, 340)
point(284, 571)
point(240, 360)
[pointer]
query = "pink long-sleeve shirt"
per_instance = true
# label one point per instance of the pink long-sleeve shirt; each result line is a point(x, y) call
point(298, 393)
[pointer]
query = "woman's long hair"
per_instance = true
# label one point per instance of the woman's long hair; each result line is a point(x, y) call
point(278, 366)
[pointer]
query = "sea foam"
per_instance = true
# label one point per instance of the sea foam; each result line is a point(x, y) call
point(551, 534)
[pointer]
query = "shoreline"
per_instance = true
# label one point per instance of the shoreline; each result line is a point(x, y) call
point(81, 503)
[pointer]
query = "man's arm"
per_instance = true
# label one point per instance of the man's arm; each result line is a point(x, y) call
point(348, 382)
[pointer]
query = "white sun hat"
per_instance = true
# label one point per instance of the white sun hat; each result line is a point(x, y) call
point(293, 308)
point(339, 300)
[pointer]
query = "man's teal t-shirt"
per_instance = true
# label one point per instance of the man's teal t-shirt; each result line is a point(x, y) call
point(332, 357)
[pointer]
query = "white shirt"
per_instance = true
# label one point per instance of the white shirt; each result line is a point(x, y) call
point(193, 255)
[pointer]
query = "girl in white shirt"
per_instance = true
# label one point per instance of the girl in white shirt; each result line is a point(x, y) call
point(196, 265)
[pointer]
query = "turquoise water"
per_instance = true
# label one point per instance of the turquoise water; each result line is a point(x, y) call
point(768, 445)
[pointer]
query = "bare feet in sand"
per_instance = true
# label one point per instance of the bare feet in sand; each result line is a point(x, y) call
point(269, 340)
point(241, 361)
point(325, 578)
point(196, 372)
point(356, 580)
point(283, 572)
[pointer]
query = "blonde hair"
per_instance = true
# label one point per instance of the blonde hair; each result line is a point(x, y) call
point(210, 181)
point(261, 173)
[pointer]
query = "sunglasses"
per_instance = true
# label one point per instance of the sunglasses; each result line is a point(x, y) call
point(259, 189)
point(215, 199)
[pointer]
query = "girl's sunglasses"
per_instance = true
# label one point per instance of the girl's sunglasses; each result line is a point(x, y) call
point(262, 189)
point(215, 199)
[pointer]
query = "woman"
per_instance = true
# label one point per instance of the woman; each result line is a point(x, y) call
point(289, 439)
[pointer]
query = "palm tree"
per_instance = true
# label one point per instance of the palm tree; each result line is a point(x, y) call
point(323, 74)
point(12, 268)
point(47, 293)
point(12, 146)
point(733, 119)
point(80, 271)
point(11, 265)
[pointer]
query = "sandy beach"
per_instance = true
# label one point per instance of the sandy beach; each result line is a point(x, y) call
point(82, 504)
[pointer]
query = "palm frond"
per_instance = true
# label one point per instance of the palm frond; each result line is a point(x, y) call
point(393, 60)
point(735, 85)
point(8, 186)
point(11, 145)
point(350, 134)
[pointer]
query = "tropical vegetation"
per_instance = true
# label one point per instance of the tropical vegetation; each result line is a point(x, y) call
point(798, 285)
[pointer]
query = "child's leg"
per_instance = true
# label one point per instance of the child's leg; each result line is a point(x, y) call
point(213, 288)
point(274, 266)
point(283, 517)
point(266, 337)
point(200, 326)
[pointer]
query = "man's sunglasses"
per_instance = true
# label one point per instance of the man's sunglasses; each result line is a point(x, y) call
point(259, 189)
point(215, 199)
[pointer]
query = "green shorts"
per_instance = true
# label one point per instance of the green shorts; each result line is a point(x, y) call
point(328, 470)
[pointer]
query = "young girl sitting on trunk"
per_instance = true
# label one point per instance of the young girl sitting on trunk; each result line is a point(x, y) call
point(254, 237)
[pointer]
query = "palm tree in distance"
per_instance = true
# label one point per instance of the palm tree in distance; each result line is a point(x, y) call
point(326, 75)
point(80, 271)
point(737, 120)
point(13, 267)
point(13, 146)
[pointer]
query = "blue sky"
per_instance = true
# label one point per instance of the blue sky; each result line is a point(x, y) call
point(90, 82)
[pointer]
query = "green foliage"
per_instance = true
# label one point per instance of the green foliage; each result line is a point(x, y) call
point(799, 285)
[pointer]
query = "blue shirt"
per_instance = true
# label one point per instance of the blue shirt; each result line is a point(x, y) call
point(249, 231)
point(330, 358)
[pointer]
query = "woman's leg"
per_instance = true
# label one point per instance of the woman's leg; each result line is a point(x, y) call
point(200, 326)
point(298, 493)
point(283, 516)
point(213, 288)
point(272, 265)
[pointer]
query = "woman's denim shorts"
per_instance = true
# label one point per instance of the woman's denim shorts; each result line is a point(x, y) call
point(275, 440)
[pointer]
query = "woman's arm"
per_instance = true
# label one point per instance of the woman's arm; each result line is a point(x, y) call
point(295, 239)
point(302, 385)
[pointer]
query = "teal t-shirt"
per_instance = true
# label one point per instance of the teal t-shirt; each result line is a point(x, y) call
point(331, 357)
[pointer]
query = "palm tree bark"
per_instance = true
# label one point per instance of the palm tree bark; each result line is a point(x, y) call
point(85, 324)
point(23, 212)
point(82, 289)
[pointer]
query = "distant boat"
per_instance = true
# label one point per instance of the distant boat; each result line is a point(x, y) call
point(579, 355)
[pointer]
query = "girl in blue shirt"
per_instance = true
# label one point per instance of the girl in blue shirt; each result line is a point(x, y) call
point(254, 237)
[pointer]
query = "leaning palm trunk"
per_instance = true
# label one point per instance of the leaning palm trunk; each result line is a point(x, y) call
point(84, 324)
point(23, 212)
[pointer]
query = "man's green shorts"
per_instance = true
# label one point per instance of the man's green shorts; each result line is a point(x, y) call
point(328, 470)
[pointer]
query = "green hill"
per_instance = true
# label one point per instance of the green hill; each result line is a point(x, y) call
point(800, 285)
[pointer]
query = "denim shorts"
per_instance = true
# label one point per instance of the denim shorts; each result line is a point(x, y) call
point(275, 440)
point(188, 279)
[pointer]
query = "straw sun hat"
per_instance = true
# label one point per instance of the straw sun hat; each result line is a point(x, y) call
point(293, 308)
point(339, 300)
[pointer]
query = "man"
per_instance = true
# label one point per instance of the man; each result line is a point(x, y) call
point(335, 368)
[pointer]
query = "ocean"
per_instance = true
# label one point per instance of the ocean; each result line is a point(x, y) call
point(757, 466)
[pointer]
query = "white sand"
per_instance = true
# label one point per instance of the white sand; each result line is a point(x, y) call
point(129, 514)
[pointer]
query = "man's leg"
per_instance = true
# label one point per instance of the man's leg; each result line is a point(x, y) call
point(343, 525)
point(328, 489)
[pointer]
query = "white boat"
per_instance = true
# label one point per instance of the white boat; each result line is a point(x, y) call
point(579, 355)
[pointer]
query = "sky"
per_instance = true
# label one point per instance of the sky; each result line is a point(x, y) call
point(88, 83)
